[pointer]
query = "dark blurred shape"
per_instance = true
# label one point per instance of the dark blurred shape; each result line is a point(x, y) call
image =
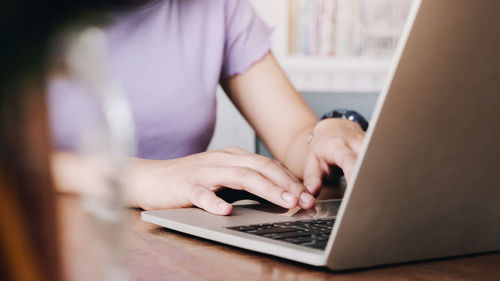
point(28, 235)
point(28, 26)
point(28, 222)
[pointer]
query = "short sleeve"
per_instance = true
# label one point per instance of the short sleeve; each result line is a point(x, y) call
point(247, 38)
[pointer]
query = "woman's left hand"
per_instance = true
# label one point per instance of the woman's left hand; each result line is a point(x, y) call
point(335, 142)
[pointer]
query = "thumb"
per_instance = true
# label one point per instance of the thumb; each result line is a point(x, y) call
point(206, 199)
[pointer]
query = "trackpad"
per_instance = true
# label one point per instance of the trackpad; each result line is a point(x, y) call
point(324, 208)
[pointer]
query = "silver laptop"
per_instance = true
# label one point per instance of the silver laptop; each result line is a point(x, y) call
point(427, 182)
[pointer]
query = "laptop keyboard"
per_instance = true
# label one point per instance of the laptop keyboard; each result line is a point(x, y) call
point(313, 233)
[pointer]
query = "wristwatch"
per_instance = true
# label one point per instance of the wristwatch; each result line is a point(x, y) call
point(347, 114)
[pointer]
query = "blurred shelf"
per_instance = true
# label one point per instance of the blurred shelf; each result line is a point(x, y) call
point(336, 75)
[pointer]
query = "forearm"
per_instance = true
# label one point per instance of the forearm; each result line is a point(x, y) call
point(268, 100)
point(87, 175)
point(297, 151)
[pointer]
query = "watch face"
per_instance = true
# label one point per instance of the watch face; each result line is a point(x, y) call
point(358, 118)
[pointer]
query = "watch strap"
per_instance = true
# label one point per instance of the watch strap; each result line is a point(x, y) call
point(347, 114)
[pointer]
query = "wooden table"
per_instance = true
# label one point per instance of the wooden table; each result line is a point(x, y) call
point(155, 253)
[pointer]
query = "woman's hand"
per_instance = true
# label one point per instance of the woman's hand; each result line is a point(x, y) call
point(283, 120)
point(193, 180)
point(335, 142)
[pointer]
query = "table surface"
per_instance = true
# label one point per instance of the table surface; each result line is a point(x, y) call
point(155, 253)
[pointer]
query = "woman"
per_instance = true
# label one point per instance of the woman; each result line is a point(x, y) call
point(170, 56)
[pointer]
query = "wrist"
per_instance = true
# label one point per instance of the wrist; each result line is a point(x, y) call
point(298, 150)
point(349, 115)
point(137, 179)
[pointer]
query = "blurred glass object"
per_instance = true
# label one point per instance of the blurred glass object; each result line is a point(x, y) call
point(106, 143)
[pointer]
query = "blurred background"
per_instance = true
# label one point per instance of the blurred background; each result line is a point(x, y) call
point(337, 53)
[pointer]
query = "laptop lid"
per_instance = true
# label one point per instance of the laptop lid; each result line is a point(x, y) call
point(427, 183)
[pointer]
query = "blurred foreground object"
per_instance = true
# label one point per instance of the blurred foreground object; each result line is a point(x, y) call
point(29, 247)
point(28, 227)
point(106, 144)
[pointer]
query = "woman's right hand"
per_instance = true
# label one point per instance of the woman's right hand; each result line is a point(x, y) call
point(193, 180)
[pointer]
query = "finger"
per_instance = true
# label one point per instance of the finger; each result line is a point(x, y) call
point(268, 167)
point(348, 163)
point(235, 156)
point(312, 174)
point(338, 152)
point(306, 198)
point(286, 170)
point(356, 144)
point(250, 180)
point(281, 175)
point(276, 173)
point(236, 150)
point(207, 200)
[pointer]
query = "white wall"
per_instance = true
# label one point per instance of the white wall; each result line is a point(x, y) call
point(274, 13)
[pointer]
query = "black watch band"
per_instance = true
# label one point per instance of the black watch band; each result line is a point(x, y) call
point(347, 114)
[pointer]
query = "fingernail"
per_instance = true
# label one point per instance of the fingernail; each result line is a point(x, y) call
point(306, 197)
point(288, 197)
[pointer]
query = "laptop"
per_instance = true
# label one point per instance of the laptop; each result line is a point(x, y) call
point(427, 182)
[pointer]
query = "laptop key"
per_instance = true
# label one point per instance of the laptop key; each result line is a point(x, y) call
point(286, 223)
point(294, 234)
point(244, 228)
point(293, 240)
point(263, 225)
point(299, 240)
point(319, 237)
point(273, 230)
point(308, 221)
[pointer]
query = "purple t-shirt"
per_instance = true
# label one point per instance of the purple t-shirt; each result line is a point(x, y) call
point(169, 56)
